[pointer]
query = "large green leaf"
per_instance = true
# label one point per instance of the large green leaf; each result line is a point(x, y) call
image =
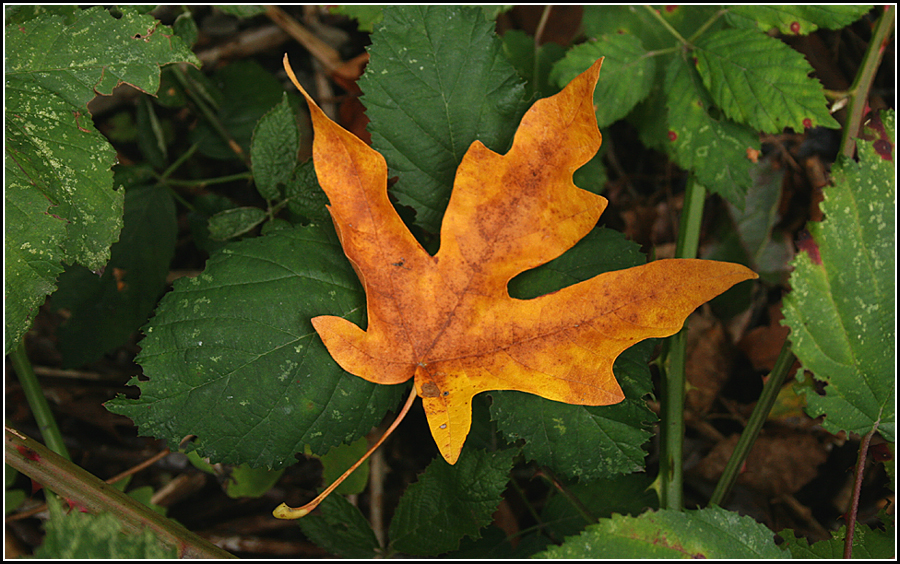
point(450, 502)
point(842, 305)
point(760, 81)
point(716, 150)
point(58, 177)
point(436, 81)
point(232, 357)
point(703, 533)
point(626, 78)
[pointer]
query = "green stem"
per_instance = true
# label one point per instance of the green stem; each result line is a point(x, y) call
point(37, 402)
point(210, 116)
point(73, 482)
point(210, 181)
point(582, 510)
point(757, 419)
point(655, 14)
point(671, 490)
point(178, 162)
point(859, 92)
point(702, 29)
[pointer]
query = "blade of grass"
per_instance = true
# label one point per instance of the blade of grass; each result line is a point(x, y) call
point(754, 424)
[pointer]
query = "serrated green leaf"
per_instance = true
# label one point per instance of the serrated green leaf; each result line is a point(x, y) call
point(436, 81)
point(637, 20)
point(758, 80)
point(867, 543)
point(305, 196)
point(794, 19)
point(232, 357)
point(577, 440)
point(273, 149)
point(84, 536)
point(340, 528)
point(450, 502)
point(103, 311)
point(234, 222)
point(631, 494)
point(716, 150)
point(626, 78)
point(841, 309)
point(56, 162)
point(703, 533)
point(245, 92)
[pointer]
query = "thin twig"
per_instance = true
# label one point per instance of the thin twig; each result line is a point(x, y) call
point(857, 488)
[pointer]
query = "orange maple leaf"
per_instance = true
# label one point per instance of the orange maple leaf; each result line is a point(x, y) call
point(448, 320)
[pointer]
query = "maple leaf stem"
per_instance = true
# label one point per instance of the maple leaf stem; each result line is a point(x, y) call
point(285, 512)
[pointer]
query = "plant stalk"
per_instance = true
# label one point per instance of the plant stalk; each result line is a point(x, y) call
point(73, 482)
point(859, 92)
point(857, 488)
point(671, 492)
point(37, 402)
point(582, 510)
point(757, 419)
point(656, 15)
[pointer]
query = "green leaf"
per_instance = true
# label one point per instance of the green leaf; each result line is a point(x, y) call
point(637, 20)
point(704, 533)
point(367, 16)
point(232, 357)
point(794, 19)
point(842, 305)
point(450, 502)
point(625, 79)
point(768, 251)
point(760, 81)
point(305, 196)
point(273, 149)
point(579, 440)
point(716, 150)
point(341, 457)
point(436, 81)
point(631, 494)
point(235, 222)
point(867, 543)
point(340, 528)
point(520, 49)
point(246, 92)
point(56, 162)
point(103, 311)
point(83, 536)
